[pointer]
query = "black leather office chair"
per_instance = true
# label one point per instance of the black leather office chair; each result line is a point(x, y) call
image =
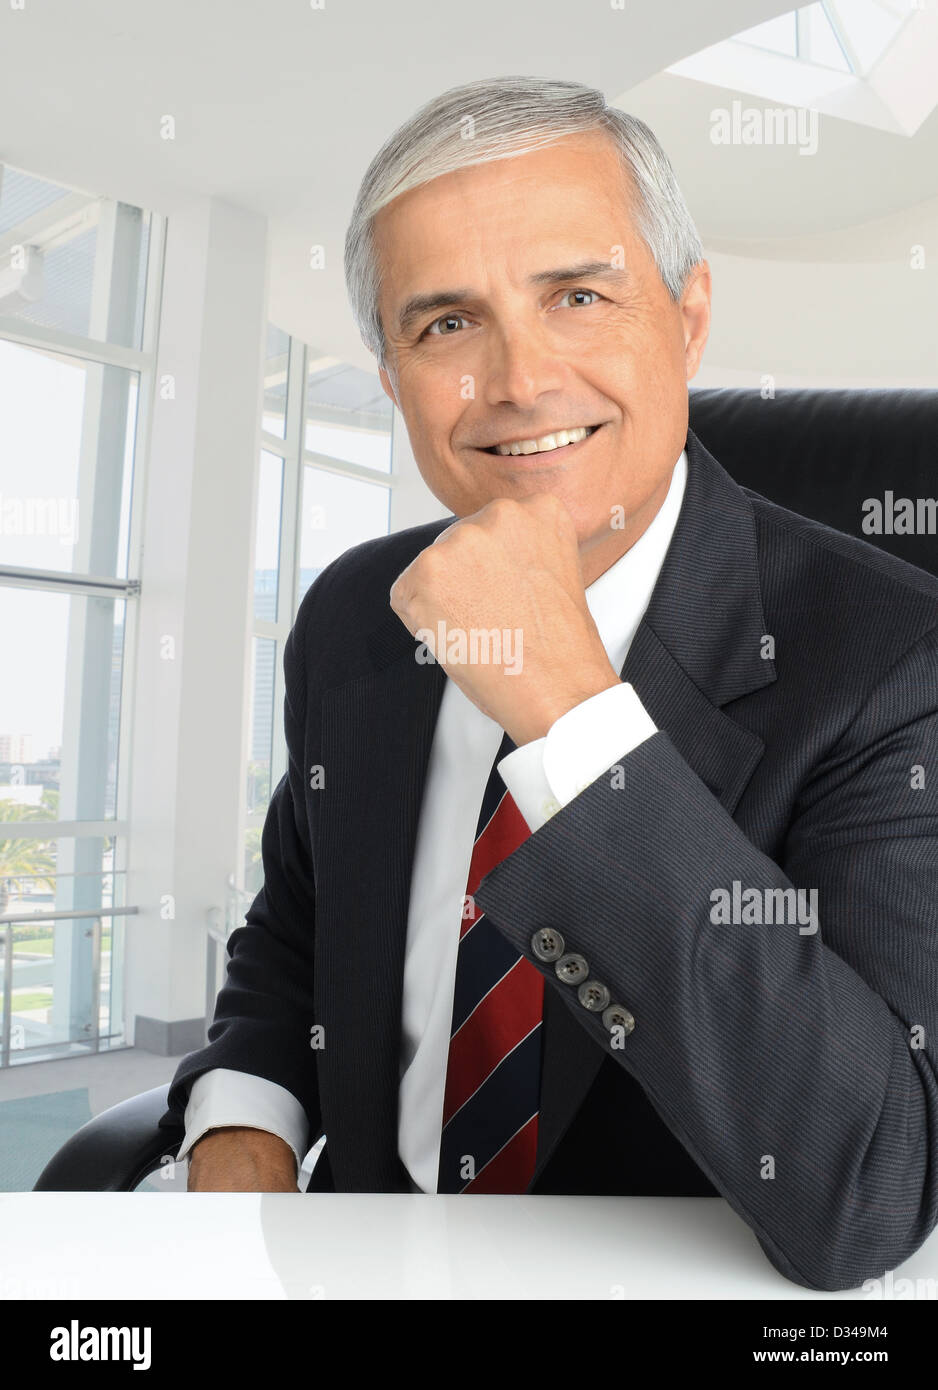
point(114, 1151)
point(819, 453)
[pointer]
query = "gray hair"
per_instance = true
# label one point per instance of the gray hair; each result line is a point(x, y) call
point(497, 118)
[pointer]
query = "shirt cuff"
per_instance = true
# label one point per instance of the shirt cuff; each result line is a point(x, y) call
point(547, 773)
point(225, 1097)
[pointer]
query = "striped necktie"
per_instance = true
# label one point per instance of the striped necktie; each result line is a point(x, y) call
point(492, 1094)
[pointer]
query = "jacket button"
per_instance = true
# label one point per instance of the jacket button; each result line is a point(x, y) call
point(593, 995)
point(617, 1016)
point(572, 969)
point(547, 944)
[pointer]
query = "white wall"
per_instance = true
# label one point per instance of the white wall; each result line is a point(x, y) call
point(851, 324)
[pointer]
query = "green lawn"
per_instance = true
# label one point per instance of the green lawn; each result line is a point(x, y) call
point(25, 1000)
point(42, 945)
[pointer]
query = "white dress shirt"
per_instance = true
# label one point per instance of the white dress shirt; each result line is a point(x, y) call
point(542, 776)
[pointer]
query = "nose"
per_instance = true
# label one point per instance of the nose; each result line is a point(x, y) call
point(522, 364)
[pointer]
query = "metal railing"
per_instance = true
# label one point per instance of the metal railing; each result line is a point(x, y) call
point(8, 921)
point(220, 923)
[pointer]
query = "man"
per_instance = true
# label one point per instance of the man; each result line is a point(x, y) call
point(692, 949)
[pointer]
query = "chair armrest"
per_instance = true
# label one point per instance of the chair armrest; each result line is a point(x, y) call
point(115, 1150)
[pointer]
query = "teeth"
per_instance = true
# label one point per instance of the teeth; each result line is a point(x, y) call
point(546, 442)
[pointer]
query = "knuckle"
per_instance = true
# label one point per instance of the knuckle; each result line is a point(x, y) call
point(503, 506)
point(428, 561)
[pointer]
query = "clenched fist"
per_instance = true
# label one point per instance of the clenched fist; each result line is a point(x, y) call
point(499, 601)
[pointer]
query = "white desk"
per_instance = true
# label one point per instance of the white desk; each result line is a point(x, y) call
point(150, 1245)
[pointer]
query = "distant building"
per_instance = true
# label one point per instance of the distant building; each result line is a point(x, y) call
point(16, 748)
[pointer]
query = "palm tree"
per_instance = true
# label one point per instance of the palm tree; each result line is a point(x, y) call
point(23, 858)
point(253, 859)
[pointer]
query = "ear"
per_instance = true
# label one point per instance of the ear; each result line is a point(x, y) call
point(388, 388)
point(695, 313)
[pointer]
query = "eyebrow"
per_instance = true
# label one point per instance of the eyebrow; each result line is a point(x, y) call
point(418, 305)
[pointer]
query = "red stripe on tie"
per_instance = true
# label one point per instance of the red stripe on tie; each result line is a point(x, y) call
point(512, 1167)
point(506, 830)
point(495, 1027)
point(508, 1013)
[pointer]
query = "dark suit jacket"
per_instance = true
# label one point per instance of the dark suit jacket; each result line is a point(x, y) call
point(756, 1049)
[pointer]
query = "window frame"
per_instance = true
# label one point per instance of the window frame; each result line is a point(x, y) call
point(143, 362)
point(295, 458)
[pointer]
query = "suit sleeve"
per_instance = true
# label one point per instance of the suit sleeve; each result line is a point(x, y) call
point(799, 1068)
point(264, 1011)
point(545, 774)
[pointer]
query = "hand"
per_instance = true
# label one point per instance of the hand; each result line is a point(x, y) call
point(512, 567)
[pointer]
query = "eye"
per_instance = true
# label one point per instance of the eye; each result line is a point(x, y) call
point(434, 326)
point(567, 293)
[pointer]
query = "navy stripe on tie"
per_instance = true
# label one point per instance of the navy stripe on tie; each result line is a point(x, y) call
point(494, 787)
point(477, 1129)
point(484, 957)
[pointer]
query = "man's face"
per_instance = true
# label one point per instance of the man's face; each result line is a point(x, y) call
point(513, 343)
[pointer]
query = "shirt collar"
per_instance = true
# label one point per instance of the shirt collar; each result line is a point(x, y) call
point(618, 598)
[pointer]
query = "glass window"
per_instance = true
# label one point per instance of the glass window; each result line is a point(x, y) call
point(778, 35)
point(75, 266)
point(307, 514)
point(76, 262)
point(813, 33)
point(337, 513)
point(60, 702)
point(870, 26)
point(819, 42)
point(276, 375)
point(253, 862)
point(67, 430)
point(267, 537)
point(66, 984)
point(261, 724)
point(348, 415)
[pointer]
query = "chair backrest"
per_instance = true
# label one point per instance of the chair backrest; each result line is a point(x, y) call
point(824, 453)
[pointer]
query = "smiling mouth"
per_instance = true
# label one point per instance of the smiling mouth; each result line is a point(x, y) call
point(544, 444)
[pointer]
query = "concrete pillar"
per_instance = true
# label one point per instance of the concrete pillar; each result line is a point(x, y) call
point(193, 632)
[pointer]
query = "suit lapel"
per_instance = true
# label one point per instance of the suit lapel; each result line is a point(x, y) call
point(697, 647)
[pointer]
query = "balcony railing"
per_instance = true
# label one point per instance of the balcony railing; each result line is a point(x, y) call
point(92, 1035)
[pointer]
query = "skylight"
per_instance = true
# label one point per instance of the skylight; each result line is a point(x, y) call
point(846, 35)
point(867, 61)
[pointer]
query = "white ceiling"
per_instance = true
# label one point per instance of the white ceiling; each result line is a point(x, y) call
point(279, 107)
point(741, 193)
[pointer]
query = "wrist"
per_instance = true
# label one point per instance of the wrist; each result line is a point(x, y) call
point(536, 721)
